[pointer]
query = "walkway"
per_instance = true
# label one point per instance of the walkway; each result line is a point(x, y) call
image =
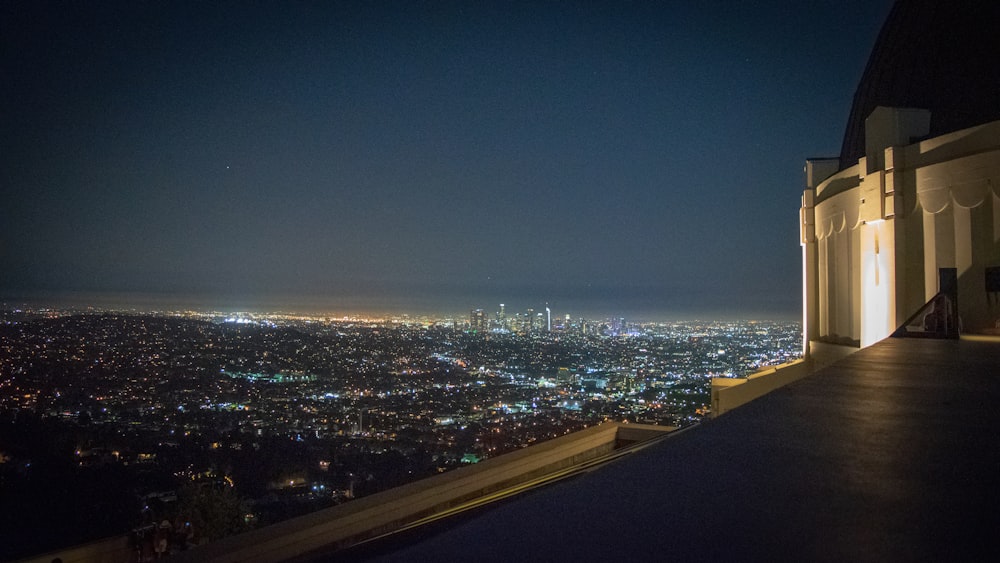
point(892, 454)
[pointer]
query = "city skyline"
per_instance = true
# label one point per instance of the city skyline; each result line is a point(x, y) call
point(297, 414)
point(426, 157)
point(157, 304)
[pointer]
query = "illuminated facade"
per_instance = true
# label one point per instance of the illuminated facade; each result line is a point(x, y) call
point(915, 195)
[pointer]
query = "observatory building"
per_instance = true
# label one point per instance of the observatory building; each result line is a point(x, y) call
point(902, 229)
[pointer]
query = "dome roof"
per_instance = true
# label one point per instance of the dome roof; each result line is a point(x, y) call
point(939, 56)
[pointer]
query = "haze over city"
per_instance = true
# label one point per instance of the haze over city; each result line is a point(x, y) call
point(419, 156)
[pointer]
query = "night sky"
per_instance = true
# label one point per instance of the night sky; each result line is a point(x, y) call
point(642, 159)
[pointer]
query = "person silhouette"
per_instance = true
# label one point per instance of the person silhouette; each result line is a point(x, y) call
point(938, 318)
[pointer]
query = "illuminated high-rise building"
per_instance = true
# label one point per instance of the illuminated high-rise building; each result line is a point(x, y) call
point(478, 321)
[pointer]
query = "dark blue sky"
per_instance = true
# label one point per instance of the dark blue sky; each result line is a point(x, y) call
point(640, 158)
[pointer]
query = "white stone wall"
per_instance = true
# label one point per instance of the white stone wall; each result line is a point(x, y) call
point(880, 235)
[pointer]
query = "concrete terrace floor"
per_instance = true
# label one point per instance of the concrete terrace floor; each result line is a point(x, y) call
point(892, 454)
